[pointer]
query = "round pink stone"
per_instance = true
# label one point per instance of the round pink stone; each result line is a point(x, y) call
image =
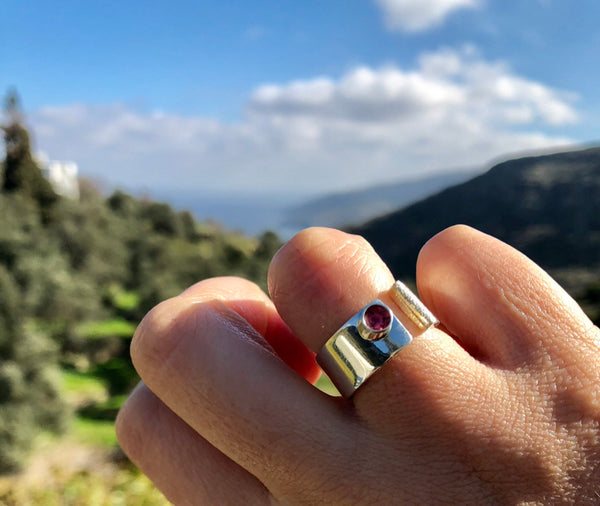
point(377, 317)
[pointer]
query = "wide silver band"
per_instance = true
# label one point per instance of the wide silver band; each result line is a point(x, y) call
point(356, 351)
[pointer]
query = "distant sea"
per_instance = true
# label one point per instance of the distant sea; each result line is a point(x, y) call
point(285, 214)
point(248, 214)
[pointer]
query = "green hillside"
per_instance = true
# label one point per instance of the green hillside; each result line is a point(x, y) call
point(546, 206)
point(76, 276)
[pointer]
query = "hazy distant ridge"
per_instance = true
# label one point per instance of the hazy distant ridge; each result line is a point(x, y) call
point(355, 207)
point(546, 206)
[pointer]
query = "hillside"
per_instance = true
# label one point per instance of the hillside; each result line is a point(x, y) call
point(76, 276)
point(546, 206)
point(354, 207)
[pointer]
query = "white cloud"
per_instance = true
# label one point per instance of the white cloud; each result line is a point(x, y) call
point(454, 109)
point(420, 15)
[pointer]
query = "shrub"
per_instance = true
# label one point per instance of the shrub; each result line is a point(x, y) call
point(29, 389)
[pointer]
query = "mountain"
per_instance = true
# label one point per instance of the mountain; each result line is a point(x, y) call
point(289, 213)
point(351, 208)
point(546, 206)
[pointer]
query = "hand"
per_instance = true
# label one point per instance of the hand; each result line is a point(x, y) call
point(500, 404)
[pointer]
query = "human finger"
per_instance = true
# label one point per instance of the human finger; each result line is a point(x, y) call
point(321, 278)
point(183, 465)
point(435, 401)
point(209, 365)
point(505, 309)
point(246, 299)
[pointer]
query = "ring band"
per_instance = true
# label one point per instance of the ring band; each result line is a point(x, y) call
point(370, 338)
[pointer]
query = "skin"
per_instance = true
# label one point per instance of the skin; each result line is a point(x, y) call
point(498, 405)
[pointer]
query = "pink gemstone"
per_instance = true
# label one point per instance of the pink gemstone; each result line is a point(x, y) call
point(377, 317)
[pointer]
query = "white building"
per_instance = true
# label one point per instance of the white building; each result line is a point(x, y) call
point(62, 177)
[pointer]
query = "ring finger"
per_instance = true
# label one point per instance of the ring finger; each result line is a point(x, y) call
point(321, 278)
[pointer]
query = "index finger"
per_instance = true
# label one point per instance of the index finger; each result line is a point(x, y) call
point(201, 354)
point(247, 300)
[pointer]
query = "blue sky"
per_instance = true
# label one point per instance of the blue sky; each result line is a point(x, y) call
point(309, 97)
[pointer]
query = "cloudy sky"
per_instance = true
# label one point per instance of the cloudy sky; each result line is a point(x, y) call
point(308, 96)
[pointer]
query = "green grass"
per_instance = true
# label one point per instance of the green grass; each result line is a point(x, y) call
point(89, 395)
point(324, 384)
point(115, 402)
point(122, 299)
point(102, 411)
point(85, 389)
point(126, 301)
point(79, 386)
point(95, 432)
point(116, 327)
point(115, 486)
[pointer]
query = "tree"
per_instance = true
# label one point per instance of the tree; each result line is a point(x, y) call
point(21, 172)
point(29, 391)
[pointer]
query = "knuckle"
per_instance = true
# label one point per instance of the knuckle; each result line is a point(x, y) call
point(158, 334)
point(130, 425)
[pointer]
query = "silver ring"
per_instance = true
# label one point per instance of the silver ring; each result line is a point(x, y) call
point(370, 338)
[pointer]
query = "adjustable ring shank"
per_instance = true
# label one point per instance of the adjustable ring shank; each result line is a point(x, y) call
point(412, 307)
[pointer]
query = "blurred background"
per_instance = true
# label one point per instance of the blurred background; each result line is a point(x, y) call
point(149, 145)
